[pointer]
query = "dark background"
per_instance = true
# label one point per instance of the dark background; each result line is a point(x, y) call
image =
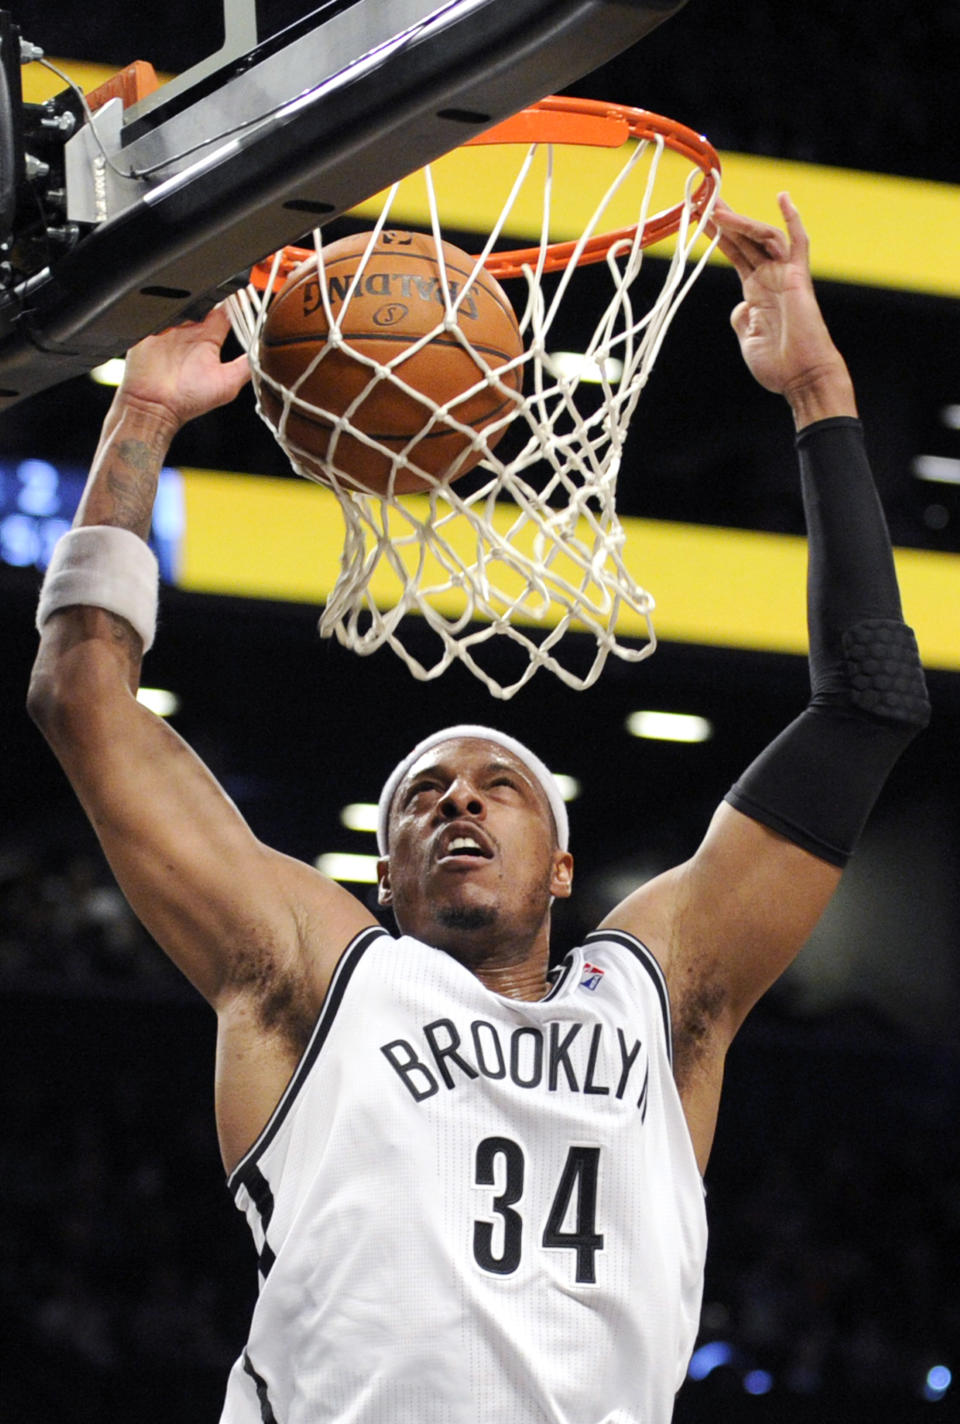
point(834, 1191)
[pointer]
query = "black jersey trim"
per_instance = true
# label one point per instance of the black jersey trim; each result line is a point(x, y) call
point(650, 964)
point(262, 1197)
point(267, 1415)
point(558, 977)
point(346, 966)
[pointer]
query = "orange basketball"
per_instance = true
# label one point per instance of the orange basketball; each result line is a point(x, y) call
point(397, 300)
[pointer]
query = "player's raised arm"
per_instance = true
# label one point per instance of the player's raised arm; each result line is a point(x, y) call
point(729, 921)
point(231, 913)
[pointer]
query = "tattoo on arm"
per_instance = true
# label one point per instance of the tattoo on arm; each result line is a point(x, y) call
point(131, 480)
point(123, 634)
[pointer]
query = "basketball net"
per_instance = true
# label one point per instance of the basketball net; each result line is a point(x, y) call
point(529, 546)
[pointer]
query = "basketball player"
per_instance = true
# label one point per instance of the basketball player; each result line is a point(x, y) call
point(475, 1188)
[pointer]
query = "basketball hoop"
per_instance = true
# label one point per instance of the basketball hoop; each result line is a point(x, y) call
point(532, 550)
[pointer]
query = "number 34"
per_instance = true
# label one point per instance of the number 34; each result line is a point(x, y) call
point(577, 1184)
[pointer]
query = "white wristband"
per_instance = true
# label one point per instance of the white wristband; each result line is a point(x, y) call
point(104, 567)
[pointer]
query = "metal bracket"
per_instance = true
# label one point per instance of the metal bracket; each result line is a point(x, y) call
point(91, 182)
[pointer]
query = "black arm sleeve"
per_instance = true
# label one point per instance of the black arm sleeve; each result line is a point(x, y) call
point(817, 782)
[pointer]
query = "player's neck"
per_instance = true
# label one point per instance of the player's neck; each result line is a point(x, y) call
point(527, 980)
point(509, 954)
point(505, 964)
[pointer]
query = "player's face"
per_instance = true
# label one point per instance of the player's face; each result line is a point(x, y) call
point(472, 847)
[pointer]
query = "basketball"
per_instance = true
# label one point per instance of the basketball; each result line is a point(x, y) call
point(384, 314)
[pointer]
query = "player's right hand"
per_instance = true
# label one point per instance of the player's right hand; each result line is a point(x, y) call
point(180, 374)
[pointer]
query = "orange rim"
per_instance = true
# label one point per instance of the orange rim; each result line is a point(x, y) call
point(587, 122)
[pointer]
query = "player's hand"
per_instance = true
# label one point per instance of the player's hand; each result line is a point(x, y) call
point(180, 374)
point(782, 334)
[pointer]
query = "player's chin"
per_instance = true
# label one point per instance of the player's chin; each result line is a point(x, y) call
point(466, 918)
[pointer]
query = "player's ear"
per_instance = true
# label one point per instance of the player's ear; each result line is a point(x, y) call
point(384, 891)
point(561, 882)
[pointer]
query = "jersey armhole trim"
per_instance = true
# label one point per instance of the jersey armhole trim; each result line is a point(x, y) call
point(643, 956)
point(346, 967)
point(267, 1415)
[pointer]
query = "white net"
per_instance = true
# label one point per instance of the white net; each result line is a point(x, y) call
point(528, 546)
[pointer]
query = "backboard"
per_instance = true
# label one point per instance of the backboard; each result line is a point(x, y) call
point(298, 115)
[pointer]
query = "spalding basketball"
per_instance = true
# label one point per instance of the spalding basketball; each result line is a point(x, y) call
point(395, 302)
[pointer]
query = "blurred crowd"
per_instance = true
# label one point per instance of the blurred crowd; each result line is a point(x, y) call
point(127, 1277)
point(65, 925)
point(835, 1226)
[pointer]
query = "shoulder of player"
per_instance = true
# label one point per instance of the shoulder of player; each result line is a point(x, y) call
point(650, 914)
point(270, 1011)
point(278, 982)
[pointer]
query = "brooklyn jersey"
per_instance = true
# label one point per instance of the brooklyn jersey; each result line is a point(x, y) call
point(470, 1209)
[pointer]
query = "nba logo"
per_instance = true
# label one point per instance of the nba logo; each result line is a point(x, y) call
point(592, 977)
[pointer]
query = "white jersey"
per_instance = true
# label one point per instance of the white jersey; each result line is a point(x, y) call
point(471, 1209)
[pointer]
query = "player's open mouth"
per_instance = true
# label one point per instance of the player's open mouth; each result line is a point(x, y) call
point(464, 846)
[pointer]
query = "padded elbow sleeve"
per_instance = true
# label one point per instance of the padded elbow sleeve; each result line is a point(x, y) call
point(817, 782)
